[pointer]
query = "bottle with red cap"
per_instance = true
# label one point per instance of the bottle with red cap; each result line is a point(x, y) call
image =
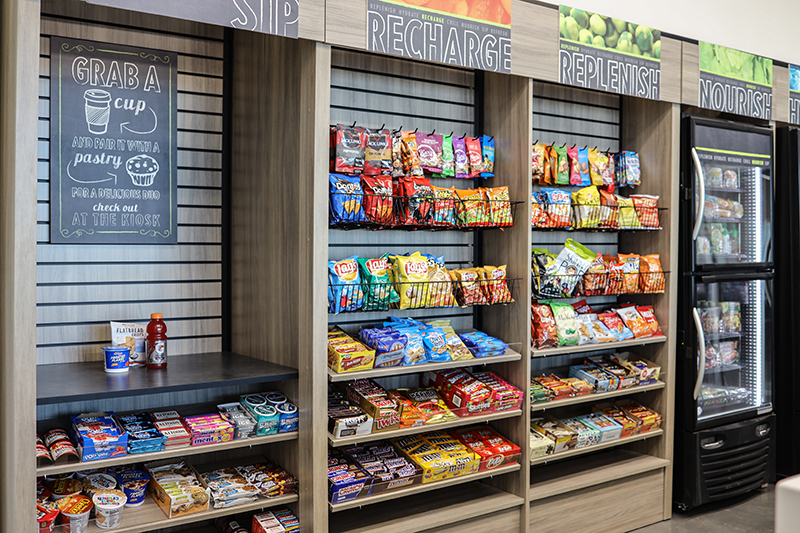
point(156, 342)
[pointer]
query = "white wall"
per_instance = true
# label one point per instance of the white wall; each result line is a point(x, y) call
point(762, 27)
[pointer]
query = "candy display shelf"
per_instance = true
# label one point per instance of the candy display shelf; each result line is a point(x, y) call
point(416, 489)
point(566, 350)
point(509, 356)
point(70, 382)
point(596, 397)
point(589, 449)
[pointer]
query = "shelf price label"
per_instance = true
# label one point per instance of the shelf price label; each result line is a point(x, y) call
point(607, 54)
point(474, 34)
point(735, 82)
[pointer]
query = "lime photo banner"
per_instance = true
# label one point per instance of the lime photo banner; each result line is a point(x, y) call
point(794, 94)
point(474, 34)
point(608, 54)
point(735, 82)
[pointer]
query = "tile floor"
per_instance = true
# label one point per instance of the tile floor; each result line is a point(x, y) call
point(753, 513)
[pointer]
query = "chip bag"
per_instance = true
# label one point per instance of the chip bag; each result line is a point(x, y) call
point(651, 277)
point(418, 201)
point(440, 286)
point(378, 200)
point(599, 330)
point(410, 154)
point(574, 166)
point(398, 168)
point(615, 326)
point(379, 293)
point(634, 321)
point(448, 158)
point(627, 214)
point(347, 149)
point(546, 334)
point(582, 308)
point(461, 157)
point(605, 161)
point(646, 207)
point(444, 207)
point(346, 196)
point(609, 210)
point(539, 218)
point(586, 209)
point(410, 273)
point(487, 149)
point(595, 280)
point(344, 286)
point(378, 153)
point(468, 287)
point(585, 331)
point(540, 163)
point(649, 316)
point(499, 206)
point(475, 156)
point(470, 208)
point(571, 263)
point(631, 273)
point(594, 168)
point(562, 166)
point(566, 323)
point(545, 283)
point(496, 286)
point(558, 207)
point(616, 275)
point(429, 148)
point(583, 166)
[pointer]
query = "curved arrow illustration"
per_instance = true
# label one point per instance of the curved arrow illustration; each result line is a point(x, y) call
point(113, 177)
point(122, 126)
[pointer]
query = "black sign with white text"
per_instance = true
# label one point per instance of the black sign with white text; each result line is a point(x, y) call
point(594, 68)
point(729, 95)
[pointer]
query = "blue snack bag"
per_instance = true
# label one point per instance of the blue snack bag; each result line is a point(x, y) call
point(344, 285)
point(583, 165)
point(487, 149)
point(346, 195)
point(435, 345)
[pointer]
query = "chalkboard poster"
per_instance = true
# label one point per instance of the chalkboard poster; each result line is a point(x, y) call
point(113, 144)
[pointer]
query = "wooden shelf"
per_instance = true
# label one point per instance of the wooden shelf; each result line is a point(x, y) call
point(420, 512)
point(165, 454)
point(565, 350)
point(566, 477)
point(72, 382)
point(399, 493)
point(596, 397)
point(589, 449)
point(462, 421)
point(510, 355)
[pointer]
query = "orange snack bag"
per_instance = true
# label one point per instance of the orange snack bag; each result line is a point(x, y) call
point(631, 273)
point(635, 322)
point(651, 276)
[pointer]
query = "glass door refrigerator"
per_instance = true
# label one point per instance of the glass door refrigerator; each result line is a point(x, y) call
point(724, 431)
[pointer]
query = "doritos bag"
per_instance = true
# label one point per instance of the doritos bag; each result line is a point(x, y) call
point(418, 201)
point(377, 202)
point(345, 198)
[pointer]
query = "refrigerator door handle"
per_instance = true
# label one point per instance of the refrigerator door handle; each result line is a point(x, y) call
point(713, 445)
point(702, 181)
point(701, 366)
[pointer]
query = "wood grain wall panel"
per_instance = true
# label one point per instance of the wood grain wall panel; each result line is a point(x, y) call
point(690, 77)
point(346, 23)
point(98, 333)
point(77, 294)
point(312, 20)
point(534, 40)
point(503, 521)
point(119, 253)
point(780, 94)
point(671, 71)
point(401, 68)
point(71, 353)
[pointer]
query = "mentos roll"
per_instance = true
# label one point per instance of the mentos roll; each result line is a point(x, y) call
point(288, 417)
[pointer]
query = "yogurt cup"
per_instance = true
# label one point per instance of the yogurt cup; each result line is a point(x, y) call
point(46, 518)
point(117, 359)
point(63, 488)
point(75, 513)
point(108, 504)
point(83, 473)
point(134, 484)
point(98, 481)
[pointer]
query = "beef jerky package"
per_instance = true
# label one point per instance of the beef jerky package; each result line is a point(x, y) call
point(487, 148)
point(347, 149)
point(377, 202)
point(461, 157)
point(378, 153)
point(429, 147)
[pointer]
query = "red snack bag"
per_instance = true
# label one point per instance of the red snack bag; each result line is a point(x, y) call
point(646, 209)
point(582, 308)
point(616, 274)
point(609, 210)
point(545, 326)
point(347, 149)
point(616, 326)
point(595, 280)
point(650, 317)
point(651, 277)
point(475, 156)
point(378, 153)
point(418, 200)
point(574, 166)
point(496, 286)
point(377, 199)
point(634, 321)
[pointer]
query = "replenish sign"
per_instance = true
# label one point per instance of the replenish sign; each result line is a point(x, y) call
point(735, 82)
point(794, 94)
point(608, 54)
point(469, 33)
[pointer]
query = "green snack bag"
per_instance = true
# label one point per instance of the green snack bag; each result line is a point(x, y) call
point(562, 168)
point(448, 159)
point(376, 284)
point(566, 323)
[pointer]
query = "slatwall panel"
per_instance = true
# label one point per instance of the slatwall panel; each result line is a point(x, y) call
point(575, 117)
point(375, 91)
point(80, 288)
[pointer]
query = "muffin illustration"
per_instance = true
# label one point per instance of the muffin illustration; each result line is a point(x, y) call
point(142, 169)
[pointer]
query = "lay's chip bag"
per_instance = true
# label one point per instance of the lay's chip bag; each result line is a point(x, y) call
point(378, 290)
point(344, 286)
point(411, 275)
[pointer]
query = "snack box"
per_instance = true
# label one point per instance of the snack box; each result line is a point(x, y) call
point(494, 449)
point(557, 388)
point(440, 455)
point(596, 377)
point(541, 445)
point(176, 433)
point(608, 428)
point(506, 396)
point(345, 354)
point(538, 393)
point(346, 480)
point(627, 378)
point(266, 415)
point(98, 436)
point(580, 386)
point(208, 429)
point(347, 420)
point(374, 400)
point(388, 469)
point(650, 419)
point(649, 372)
point(463, 393)
point(565, 438)
point(175, 505)
point(587, 435)
point(630, 426)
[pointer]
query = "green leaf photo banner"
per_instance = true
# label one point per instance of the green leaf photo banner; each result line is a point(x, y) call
point(608, 54)
point(735, 82)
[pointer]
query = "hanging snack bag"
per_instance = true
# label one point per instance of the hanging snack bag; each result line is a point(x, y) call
point(631, 273)
point(627, 214)
point(633, 173)
point(610, 178)
point(562, 166)
point(444, 207)
point(440, 286)
point(585, 332)
point(566, 323)
point(487, 149)
point(377, 202)
point(651, 277)
point(583, 165)
point(586, 211)
point(470, 208)
point(634, 321)
point(499, 206)
point(378, 153)
point(429, 148)
point(615, 326)
point(398, 167)
point(540, 163)
point(411, 275)
point(475, 156)
point(539, 218)
point(649, 316)
point(410, 154)
point(544, 325)
point(594, 168)
point(558, 207)
point(345, 199)
point(461, 157)
point(545, 282)
point(551, 170)
point(615, 269)
point(646, 207)
point(448, 158)
point(606, 176)
point(418, 200)
point(347, 149)
point(378, 290)
point(609, 210)
point(572, 262)
point(468, 287)
point(344, 285)
point(496, 286)
point(574, 166)
point(595, 280)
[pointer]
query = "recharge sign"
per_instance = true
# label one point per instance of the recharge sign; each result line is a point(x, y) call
point(474, 34)
point(735, 82)
point(608, 54)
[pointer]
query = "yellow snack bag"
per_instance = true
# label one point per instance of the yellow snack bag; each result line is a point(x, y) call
point(594, 168)
point(586, 211)
point(628, 219)
point(411, 273)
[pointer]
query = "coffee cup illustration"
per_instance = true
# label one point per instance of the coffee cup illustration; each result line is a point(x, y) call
point(98, 110)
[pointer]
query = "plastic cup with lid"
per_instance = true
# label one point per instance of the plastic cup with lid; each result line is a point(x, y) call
point(64, 487)
point(109, 504)
point(75, 513)
point(133, 483)
point(46, 515)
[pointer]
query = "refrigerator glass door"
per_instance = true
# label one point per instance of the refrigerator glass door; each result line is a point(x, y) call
point(733, 322)
point(732, 196)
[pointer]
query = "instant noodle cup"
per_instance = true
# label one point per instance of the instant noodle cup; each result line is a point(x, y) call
point(46, 517)
point(63, 488)
point(75, 513)
point(134, 485)
point(109, 504)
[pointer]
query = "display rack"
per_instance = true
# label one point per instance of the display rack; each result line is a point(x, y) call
point(596, 397)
